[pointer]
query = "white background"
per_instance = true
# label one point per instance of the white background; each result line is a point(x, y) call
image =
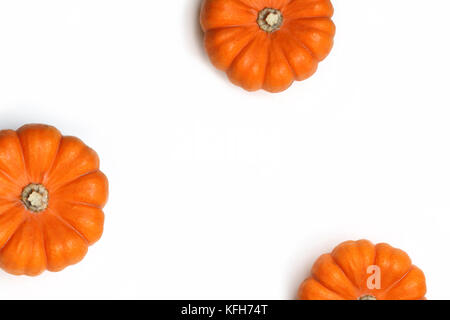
point(219, 193)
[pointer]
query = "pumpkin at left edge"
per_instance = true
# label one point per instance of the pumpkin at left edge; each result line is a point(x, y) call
point(51, 198)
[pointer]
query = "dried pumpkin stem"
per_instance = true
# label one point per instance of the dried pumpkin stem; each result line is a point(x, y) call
point(35, 197)
point(270, 20)
point(367, 297)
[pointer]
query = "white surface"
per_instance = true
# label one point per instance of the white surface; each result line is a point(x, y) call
point(220, 193)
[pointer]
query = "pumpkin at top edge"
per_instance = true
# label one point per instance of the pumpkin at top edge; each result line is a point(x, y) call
point(267, 44)
point(51, 198)
point(360, 270)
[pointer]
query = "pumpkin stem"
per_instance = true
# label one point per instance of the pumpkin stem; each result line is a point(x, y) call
point(35, 197)
point(270, 20)
point(367, 297)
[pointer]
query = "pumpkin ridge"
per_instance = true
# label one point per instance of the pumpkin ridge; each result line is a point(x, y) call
point(13, 233)
point(362, 253)
point(307, 18)
point(77, 207)
point(212, 38)
point(27, 265)
point(25, 166)
point(246, 27)
point(326, 286)
point(8, 177)
point(62, 220)
point(283, 50)
point(280, 54)
point(97, 184)
point(250, 41)
point(44, 178)
point(336, 293)
point(10, 204)
point(385, 291)
point(306, 5)
point(309, 50)
point(391, 255)
point(10, 238)
point(230, 26)
point(12, 201)
point(299, 42)
point(241, 52)
point(207, 13)
point(286, 5)
point(79, 203)
point(36, 127)
point(45, 230)
point(71, 165)
point(315, 29)
point(346, 275)
point(312, 278)
point(323, 284)
point(39, 222)
point(246, 5)
point(65, 184)
point(269, 53)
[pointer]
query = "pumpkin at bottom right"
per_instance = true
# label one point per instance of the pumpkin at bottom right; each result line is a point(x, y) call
point(360, 270)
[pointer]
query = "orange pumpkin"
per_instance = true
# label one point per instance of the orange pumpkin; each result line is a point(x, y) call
point(267, 43)
point(51, 198)
point(359, 270)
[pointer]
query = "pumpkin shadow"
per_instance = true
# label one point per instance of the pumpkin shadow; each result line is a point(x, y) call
point(9, 123)
point(12, 118)
point(299, 277)
point(193, 24)
point(198, 28)
point(306, 260)
point(197, 35)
